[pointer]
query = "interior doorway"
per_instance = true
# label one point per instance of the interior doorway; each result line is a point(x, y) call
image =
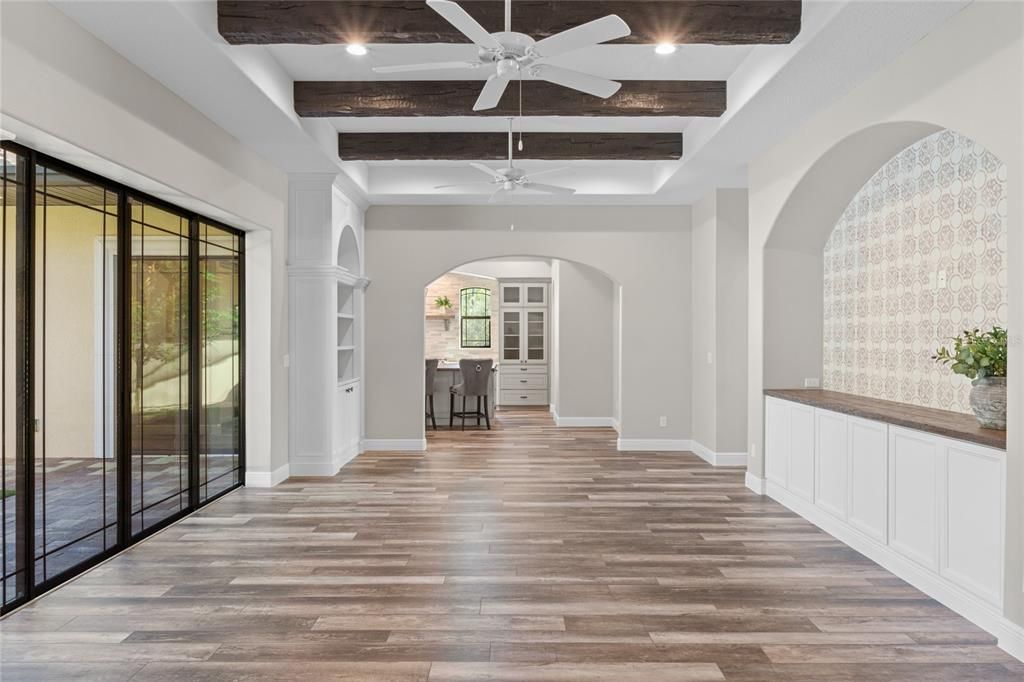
point(545, 329)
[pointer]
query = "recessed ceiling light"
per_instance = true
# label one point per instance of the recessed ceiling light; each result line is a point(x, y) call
point(665, 48)
point(357, 49)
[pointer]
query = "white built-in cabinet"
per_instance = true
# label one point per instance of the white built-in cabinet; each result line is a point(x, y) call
point(927, 507)
point(523, 343)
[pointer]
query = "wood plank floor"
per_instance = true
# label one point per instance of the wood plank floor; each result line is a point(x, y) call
point(526, 553)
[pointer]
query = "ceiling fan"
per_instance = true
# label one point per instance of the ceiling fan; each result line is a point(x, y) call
point(511, 179)
point(514, 54)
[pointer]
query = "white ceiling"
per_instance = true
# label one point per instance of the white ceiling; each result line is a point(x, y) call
point(771, 89)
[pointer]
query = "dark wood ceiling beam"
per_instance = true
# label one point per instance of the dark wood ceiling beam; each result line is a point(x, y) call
point(494, 146)
point(456, 98)
point(312, 22)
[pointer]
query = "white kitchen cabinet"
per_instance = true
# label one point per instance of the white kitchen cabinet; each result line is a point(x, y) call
point(529, 294)
point(830, 462)
point(927, 507)
point(776, 440)
point(801, 450)
point(914, 467)
point(868, 455)
point(523, 343)
point(971, 546)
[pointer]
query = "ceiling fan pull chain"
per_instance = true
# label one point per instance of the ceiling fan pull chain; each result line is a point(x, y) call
point(520, 111)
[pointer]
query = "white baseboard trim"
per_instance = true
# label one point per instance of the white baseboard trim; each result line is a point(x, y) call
point(981, 613)
point(652, 444)
point(312, 466)
point(266, 479)
point(754, 483)
point(719, 459)
point(616, 425)
point(395, 444)
point(584, 421)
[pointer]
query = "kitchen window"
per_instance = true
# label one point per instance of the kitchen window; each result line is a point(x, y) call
point(475, 317)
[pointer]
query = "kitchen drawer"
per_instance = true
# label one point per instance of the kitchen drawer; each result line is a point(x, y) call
point(511, 370)
point(515, 382)
point(525, 397)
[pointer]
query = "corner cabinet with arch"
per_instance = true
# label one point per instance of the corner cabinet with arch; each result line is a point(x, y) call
point(347, 409)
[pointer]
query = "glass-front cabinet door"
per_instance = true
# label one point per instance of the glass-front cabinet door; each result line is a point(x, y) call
point(511, 294)
point(536, 336)
point(511, 335)
point(535, 294)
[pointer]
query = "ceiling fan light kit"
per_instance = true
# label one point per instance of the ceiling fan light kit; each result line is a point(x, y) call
point(514, 55)
point(511, 179)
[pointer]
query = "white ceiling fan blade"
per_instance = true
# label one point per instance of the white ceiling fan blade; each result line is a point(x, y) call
point(435, 66)
point(467, 25)
point(465, 185)
point(485, 169)
point(584, 35)
point(548, 171)
point(498, 193)
point(577, 80)
point(494, 88)
point(548, 189)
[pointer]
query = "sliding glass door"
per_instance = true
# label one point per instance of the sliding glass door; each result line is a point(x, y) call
point(75, 468)
point(220, 360)
point(14, 504)
point(159, 364)
point(122, 368)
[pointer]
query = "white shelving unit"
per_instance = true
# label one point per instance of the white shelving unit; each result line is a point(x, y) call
point(346, 343)
point(523, 343)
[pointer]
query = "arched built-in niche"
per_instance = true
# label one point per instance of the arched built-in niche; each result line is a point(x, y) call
point(347, 309)
point(918, 254)
point(348, 250)
point(795, 264)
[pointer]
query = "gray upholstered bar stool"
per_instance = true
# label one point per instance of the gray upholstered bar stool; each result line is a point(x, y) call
point(476, 382)
point(429, 384)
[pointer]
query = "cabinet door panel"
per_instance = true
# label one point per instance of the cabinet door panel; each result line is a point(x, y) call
point(973, 539)
point(511, 294)
point(801, 451)
point(535, 294)
point(536, 336)
point(869, 474)
point(776, 441)
point(511, 335)
point(830, 462)
point(914, 461)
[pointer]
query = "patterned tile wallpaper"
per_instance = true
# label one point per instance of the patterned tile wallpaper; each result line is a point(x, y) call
point(918, 255)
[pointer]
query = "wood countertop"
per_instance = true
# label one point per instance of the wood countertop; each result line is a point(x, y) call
point(940, 422)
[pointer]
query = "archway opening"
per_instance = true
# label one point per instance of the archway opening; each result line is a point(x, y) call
point(549, 328)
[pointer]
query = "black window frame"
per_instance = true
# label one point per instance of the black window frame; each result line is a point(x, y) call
point(464, 318)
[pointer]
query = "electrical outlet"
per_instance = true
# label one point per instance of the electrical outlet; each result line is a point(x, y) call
point(812, 382)
point(753, 451)
point(941, 280)
point(710, 358)
point(662, 421)
point(287, 360)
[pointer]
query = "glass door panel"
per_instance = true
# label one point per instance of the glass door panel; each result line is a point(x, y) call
point(13, 482)
point(75, 234)
point(511, 321)
point(220, 435)
point(159, 365)
point(511, 294)
point(535, 335)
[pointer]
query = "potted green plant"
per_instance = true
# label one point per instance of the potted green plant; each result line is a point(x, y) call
point(981, 357)
point(445, 306)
